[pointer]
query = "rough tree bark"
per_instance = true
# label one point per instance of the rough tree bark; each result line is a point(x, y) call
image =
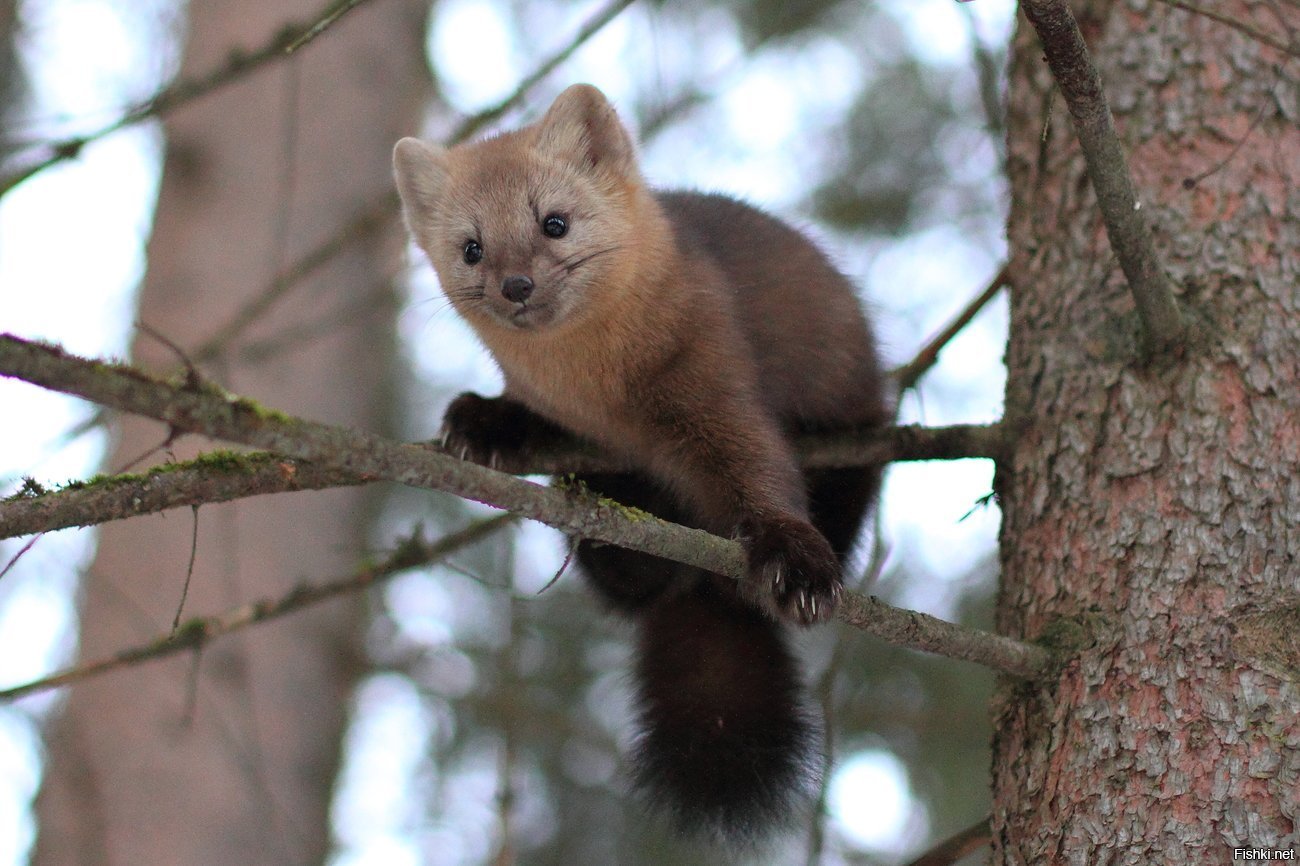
point(231, 757)
point(1153, 507)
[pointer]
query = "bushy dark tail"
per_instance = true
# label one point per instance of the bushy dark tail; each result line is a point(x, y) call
point(727, 745)
point(727, 742)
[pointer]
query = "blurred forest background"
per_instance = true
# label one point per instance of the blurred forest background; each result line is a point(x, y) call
point(453, 715)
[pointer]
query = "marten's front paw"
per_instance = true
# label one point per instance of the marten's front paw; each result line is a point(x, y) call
point(484, 430)
point(792, 569)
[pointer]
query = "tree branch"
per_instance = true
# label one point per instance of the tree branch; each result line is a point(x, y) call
point(920, 631)
point(222, 476)
point(908, 374)
point(218, 476)
point(1241, 26)
point(194, 633)
point(1126, 226)
point(208, 410)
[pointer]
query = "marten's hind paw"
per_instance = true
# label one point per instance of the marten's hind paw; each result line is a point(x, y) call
point(792, 570)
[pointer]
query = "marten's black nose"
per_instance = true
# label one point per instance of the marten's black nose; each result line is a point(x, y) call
point(516, 289)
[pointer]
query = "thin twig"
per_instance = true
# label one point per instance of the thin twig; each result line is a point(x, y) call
point(957, 846)
point(1238, 25)
point(22, 551)
point(825, 692)
point(326, 21)
point(571, 509)
point(195, 633)
point(192, 377)
point(990, 78)
point(1126, 225)
point(189, 570)
point(366, 224)
point(564, 566)
point(1191, 182)
point(907, 375)
point(593, 25)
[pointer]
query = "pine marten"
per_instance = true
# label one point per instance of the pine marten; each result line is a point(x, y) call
point(692, 335)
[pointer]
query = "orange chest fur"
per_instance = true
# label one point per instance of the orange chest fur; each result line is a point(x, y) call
point(580, 381)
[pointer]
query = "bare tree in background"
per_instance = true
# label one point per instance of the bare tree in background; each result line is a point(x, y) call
point(230, 756)
point(12, 84)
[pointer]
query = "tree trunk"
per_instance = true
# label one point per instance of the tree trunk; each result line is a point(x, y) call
point(13, 82)
point(1155, 505)
point(230, 758)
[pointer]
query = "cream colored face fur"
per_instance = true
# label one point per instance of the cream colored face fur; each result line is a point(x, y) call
point(524, 229)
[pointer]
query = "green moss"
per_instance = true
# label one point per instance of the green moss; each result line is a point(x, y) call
point(191, 632)
point(568, 482)
point(29, 489)
point(100, 479)
point(257, 410)
point(1066, 637)
point(630, 512)
point(575, 486)
point(224, 460)
point(410, 552)
point(219, 461)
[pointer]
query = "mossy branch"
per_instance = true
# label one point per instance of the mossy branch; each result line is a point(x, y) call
point(208, 410)
point(217, 476)
point(223, 476)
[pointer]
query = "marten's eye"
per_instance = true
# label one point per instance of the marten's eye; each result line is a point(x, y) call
point(473, 252)
point(555, 226)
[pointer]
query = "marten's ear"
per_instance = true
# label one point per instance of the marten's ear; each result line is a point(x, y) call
point(420, 169)
point(583, 128)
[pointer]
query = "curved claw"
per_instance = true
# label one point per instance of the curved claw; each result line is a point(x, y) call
point(795, 574)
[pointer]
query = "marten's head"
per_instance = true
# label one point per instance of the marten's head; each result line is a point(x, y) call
point(533, 229)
